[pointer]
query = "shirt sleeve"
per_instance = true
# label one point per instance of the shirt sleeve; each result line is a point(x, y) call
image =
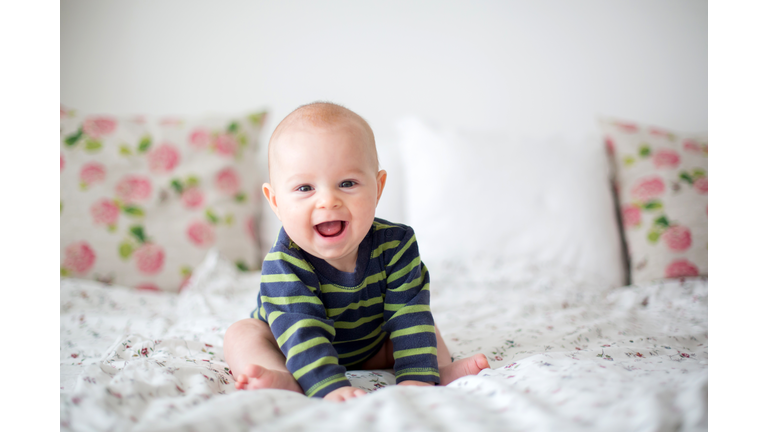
point(289, 301)
point(408, 317)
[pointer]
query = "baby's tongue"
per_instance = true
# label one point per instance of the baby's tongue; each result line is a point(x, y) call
point(329, 228)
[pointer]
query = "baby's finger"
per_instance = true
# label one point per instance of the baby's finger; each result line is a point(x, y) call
point(333, 397)
point(354, 394)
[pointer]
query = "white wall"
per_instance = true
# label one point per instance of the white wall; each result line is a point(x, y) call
point(545, 64)
point(538, 68)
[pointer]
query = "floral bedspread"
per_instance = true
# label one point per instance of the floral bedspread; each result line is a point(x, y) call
point(565, 355)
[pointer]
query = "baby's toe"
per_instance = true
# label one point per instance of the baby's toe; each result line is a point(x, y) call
point(254, 371)
point(481, 361)
point(241, 382)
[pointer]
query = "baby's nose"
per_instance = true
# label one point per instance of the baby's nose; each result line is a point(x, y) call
point(328, 200)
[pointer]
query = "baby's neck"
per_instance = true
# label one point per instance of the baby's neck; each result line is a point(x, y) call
point(346, 263)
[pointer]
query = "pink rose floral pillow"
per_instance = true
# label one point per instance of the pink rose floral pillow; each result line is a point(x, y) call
point(661, 182)
point(142, 200)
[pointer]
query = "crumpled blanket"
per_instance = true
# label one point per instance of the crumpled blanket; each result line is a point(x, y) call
point(565, 354)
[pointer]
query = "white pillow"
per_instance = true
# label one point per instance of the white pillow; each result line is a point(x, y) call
point(490, 200)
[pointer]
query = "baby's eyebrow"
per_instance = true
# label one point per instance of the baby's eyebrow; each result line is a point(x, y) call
point(297, 178)
point(357, 171)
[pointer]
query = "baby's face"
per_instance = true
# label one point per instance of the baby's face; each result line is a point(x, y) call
point(325, 188)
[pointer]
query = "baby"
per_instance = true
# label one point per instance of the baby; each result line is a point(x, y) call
point(340, 289)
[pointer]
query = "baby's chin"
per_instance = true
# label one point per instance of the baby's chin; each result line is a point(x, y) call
point(340, 251)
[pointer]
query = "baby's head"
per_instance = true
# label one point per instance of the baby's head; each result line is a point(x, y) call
point(324, 180)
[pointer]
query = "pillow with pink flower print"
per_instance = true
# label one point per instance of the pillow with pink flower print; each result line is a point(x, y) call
point(142, 200)
point(661, 183)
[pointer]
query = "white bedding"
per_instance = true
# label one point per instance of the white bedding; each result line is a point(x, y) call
point(565, 355)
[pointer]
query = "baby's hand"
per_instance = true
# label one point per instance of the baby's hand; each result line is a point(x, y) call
point(344, 393)
point(416, 383)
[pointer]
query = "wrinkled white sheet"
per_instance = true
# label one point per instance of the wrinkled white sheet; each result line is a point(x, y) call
point(564, 354)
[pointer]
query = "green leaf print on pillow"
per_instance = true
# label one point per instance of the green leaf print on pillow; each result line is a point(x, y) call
point(215, 219)
point(676, 237)
point(149, 257)
point(192, 197)
point(257, 118)
point(91, 132)
point(137, 231)
point(653, 205)
point(696, 178)
point(144, 144)
point(125, 250)
point(177, 185)
point(660, 224)
point(92, 146)
point(74, 138)
point(211, 216)
point(645, 150)
point(133, 210)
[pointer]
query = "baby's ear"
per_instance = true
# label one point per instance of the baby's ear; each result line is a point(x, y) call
point(269, 194)
point(381, 180)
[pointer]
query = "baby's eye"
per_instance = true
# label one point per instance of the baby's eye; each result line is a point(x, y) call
point(304, 188)
point(347, 184)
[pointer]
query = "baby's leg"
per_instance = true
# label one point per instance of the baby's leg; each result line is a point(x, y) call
point(449, 370)
point(452, 370)
point(254, 357)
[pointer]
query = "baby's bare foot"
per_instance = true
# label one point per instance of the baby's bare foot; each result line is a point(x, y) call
point(463, 367)
point(258, 377)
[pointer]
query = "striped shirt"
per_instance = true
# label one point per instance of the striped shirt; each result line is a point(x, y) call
point(326, 320)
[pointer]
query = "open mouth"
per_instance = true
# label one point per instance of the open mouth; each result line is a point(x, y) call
point(331, 228)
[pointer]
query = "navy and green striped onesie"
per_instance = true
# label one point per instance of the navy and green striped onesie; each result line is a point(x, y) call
point(327, 321)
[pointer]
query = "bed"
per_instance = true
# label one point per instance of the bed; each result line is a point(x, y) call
point(563, 355)
point(572, 344)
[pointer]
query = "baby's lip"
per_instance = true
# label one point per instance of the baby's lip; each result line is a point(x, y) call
point(330, 220)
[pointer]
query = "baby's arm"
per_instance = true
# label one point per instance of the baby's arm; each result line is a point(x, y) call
point(289, 300)
point(408, 317)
